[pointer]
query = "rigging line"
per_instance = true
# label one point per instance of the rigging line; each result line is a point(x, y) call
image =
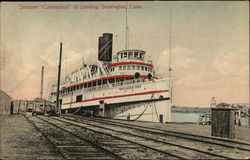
point(30, 74)
point(137, 41)
point(83, 52)
point(156, 112)
point(75, 111)
point(144, 109)
point(106, 45)
point(121, 31)
point(24, 80)
point(106, 49)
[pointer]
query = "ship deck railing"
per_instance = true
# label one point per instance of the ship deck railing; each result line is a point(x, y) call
point(108, 86)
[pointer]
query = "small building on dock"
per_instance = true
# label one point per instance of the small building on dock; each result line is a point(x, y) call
point(5, 104)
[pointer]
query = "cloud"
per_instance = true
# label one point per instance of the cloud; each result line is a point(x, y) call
point(221, 76)
point(230, 61)
point(181, 58)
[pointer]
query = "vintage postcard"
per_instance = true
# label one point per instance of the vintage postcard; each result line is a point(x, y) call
point(125, 80)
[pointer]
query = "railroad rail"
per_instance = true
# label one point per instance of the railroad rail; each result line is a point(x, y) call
point(122, 148)
point(205, 139)
point(183, 149)
point(68, 144)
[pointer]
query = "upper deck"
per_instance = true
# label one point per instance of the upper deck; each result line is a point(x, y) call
point(131, 62)
point(126, 65)
point(128, 55)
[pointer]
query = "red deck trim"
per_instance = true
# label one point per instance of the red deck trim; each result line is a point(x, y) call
point(131, 62)
point(122, 76)
point(118, 96)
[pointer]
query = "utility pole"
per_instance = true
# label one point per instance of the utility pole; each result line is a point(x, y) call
point(58, 105)
point(41, 91)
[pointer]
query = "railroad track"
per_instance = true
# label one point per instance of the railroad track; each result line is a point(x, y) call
point(205, 139)
point(177, 146)
point(62, 134)
point(69, 145)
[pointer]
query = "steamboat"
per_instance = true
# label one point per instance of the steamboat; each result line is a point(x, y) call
point(123, 86)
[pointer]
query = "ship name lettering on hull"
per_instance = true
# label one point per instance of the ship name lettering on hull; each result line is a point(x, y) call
point(130, 87)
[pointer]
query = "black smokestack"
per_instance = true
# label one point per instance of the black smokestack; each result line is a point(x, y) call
point(105, 47)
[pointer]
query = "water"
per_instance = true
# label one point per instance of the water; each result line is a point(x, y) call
point(185, 117)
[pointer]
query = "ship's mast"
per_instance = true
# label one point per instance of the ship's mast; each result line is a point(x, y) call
point(170, 55)
point(127, 29)
point(170, 44)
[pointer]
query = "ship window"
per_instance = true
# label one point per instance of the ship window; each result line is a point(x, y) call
point(85, 85)
point(146, 68)
point(142, 67)
point(99, 82)
point(140, 55)
point(104, 81)
point(136, 54)
point(112, 80)
point(79, 98)
point(120, 67)
point(124, 67)
point(129, 67)
point(77, 87)
point(125, 54)
point(133, 67)
point(89, 84)
point(121, 55)
point(130, 54)
point(138, 67)
point(94, 83)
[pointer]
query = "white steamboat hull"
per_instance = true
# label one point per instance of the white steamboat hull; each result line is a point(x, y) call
point(145, 101)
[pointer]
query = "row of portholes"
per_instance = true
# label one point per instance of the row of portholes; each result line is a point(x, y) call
point(129, 67)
